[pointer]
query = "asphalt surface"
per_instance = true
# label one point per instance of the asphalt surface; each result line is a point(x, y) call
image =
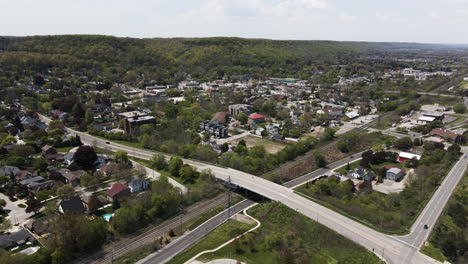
point(176, 247)
point(394, 249)
point(127, 245)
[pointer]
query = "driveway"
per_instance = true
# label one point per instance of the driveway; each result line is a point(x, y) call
point(16, 215)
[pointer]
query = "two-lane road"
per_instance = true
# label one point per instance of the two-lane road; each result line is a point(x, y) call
point(394, 249)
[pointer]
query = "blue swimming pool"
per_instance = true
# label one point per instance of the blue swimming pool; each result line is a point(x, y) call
point(107, 217)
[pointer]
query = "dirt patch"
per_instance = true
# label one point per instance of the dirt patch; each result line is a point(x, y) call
point(270, 146)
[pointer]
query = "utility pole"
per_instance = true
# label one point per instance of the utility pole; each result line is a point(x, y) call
point(229, 196)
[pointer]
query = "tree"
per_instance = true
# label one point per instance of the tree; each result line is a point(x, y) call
point(459, 108)
point(329, 133)
point(188, 174)
point(85, 157)
point(74, 233)
point(88, 180)
point(404, 143)
point(59, 256)
point(121, 157)
point(224, 147)
point(242, 118)
point(343, 146)
point(242, 143)
point(78, 111)
point(89, 116)
point(319, 159)
point(33, 205)
point(40, 164)
point(175, 163)
point(159, 162)
point(65, 191)
point(22, 151)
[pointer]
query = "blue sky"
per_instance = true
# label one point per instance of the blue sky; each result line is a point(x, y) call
point(434, 21)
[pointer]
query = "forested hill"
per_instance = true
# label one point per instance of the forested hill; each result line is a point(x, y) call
point(169, 59)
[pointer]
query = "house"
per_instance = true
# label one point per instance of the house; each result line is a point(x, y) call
point(436, 115)
point(361, 173)
point(21, 237)
point(57, 157)
point(332, 112)
point(110, 169)
point(394, 174)
point(256, 119)
point(138, 185)
point(71, 205)
point(24, 175)
point(47, 150)
point(27, 182)
point(221, 117)
point(214, 128)
point(92, 202)
point(40, 226)
point(404, 156)
point(446, 134)
point(135, 119)
point(352, 115)
point(118, 191)
point(9, 171)
point(236, 109)
point(364, 187)
point(73, 177)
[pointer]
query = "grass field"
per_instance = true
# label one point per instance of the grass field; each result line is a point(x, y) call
point(285, 236)
point(269, 145)
point(433, 252)
point(220, 235)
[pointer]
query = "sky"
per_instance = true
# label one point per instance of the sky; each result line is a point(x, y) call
point(425, 21)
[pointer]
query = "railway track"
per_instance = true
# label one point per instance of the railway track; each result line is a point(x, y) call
point(124, 246)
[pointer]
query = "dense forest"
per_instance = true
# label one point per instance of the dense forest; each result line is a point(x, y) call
point(170, 60)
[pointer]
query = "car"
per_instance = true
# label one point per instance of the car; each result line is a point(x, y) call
point(107, 142)
point(426, 227)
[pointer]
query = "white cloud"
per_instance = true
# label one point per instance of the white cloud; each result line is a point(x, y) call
point(385, 16)
point(347, 18)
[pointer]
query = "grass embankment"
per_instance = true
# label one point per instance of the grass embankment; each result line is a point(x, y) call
point(449, 239)
point(145, 250)
point(358, 141)
point(285, 236)
point(217, 237)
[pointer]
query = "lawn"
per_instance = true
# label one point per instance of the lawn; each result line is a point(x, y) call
point(269, 145)
point(220, 235)
point(64, 149)
point(464, 84)
point(433, 252)
point(286, 236)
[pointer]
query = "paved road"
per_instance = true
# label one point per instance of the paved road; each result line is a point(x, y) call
point(185, 242)
point(16, 214)
point(435, 206)
point(126, 245)
point(394, 249)
point(176, 247)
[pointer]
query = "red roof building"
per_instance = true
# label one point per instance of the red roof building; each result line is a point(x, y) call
point(256, 119)
point(118, 191)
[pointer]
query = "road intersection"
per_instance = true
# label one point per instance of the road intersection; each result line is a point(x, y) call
point(394, 249)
